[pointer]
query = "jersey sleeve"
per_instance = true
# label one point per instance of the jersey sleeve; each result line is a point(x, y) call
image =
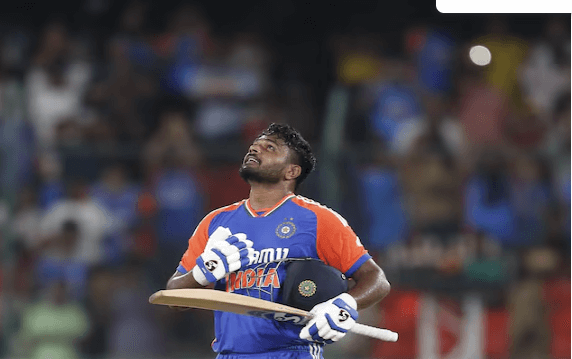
point(200, 237)
point(197, 244)
point(337, 244)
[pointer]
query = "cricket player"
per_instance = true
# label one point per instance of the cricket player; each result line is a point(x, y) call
point(233, 248)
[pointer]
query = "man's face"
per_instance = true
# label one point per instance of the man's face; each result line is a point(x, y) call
point(266, 161)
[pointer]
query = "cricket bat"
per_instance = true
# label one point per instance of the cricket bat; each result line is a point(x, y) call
point(240, 304)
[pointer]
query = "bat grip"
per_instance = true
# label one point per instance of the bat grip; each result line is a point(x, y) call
point(372, 332)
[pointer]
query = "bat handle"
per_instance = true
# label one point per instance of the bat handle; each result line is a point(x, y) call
point(372, 332)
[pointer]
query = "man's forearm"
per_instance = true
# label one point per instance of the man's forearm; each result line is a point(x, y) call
point(182, 281)
point(371, 285)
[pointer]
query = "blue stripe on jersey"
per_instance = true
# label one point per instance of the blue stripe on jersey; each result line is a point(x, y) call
point(357, 264)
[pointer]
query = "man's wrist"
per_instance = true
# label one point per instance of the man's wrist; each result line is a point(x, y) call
point(346, 297)
point(200, 276)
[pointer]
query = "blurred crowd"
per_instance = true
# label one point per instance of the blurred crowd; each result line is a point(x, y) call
point(115, 143)
point(463, 174)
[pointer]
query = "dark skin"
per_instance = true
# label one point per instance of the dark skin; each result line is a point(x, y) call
point(275, 171)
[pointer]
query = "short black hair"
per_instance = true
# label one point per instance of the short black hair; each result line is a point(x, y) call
point(294, 141)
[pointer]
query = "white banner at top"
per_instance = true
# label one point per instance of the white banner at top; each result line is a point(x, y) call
point(504, 6)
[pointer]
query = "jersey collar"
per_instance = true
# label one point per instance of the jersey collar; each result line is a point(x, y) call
point(267, 212)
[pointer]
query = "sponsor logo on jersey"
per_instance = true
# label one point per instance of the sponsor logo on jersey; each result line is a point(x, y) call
point(268, 255)
point(279, 317)
point(286, 229)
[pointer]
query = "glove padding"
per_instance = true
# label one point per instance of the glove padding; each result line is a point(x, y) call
point(219, 234)
point(332, 319)
point(223, 257)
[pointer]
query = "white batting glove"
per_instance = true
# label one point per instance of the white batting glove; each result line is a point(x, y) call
point(223, 257)
point(219, 234)
point(332, 319)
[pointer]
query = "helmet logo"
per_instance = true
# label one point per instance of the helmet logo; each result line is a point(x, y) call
point(307, 288)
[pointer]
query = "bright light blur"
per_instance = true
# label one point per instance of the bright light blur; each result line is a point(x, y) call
point(480, 55)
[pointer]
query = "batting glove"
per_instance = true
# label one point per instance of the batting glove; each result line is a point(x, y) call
point(219, 234)
point(332, 319)
point(224, 256)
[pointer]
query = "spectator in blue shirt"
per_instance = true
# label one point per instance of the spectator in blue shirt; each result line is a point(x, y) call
point(114, 192)
point(487, 201)
point(180, 207)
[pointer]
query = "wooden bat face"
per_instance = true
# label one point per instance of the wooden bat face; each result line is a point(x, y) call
point(230, 302)
point(235, 303)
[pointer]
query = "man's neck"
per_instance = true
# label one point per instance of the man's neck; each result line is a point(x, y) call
point(266, 195)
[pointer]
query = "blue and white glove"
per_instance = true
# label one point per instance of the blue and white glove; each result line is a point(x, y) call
point(219, 234)
point(223, 254)
point(332, 319)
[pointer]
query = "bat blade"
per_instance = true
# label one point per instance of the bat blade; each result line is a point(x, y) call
point(240, 304)
point(229, 302)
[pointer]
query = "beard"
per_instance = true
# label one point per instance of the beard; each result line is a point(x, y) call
point(252, 174)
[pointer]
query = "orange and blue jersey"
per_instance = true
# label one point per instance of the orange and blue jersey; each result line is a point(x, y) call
point(296, 227)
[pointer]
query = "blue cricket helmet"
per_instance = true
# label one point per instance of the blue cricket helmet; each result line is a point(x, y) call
point(309, 282)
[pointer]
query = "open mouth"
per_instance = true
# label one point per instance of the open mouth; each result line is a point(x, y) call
point(251, 159)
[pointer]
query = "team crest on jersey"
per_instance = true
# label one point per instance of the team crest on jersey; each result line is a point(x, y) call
point(307, 288)
point(286, 229)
